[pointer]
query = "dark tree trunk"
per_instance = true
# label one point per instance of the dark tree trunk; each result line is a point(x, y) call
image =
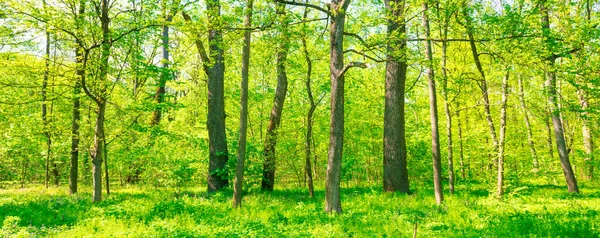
point(97, 152)
point(433, 113)
point(217, 171)
point(45, 126)
point(554, 109)
point(76, 117)
point(159, 96)
point(336, 130)
point(309, 116)
point(106, 177)
point(395, 173)
point(268, 180)
point(241, 152)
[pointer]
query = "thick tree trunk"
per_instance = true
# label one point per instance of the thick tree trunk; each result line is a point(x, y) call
point(588, 144)
point(395, 172)
point(336, 129)
point(268, 180)
point(217, 173)
point(554, 109)
point(241, 152)
point(528, 125)
point(500, 179)
point(309, 115)
point(433, 113)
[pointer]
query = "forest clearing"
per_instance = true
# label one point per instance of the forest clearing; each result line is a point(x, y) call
point(288, 118)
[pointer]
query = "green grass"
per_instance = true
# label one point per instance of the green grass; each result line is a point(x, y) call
point(529, 211)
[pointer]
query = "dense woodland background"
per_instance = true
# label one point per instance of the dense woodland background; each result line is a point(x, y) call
point(497, 94)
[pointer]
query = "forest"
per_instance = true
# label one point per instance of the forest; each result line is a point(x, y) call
point(299, 118)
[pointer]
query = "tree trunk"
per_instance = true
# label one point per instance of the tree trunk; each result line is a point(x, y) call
point(433, 113)
point(311, 110)
point(241, 152)
point(447, 108)
point(45, 126)
point(528, 125)
point(336, 128)
point(217, 171)
point(460, 146)
point(554, 109)
point(395, 172)
point(107, 178)
point(97, 152)
point(502, 135)
point(268, 180)
point(76, 117)
point(159, 97)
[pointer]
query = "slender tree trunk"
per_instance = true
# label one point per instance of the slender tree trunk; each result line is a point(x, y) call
point(219, 155)
point(268, 180)
point(500, 179)
point(81, 62)
point(433, 113)
point(336, 129)
point(460, 146)
point(159, 97)
point(107, 178)
point(97, 152)
point(45, 125)
point(447, 108)
point(554, 109)
point(527, 125)
point(311, 110)
point(549, 130)
point(395, 172)
point(241, 152)
point(588, 144)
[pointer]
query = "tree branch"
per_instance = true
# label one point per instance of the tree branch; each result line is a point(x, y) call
point(323, 10)
point(351, 65)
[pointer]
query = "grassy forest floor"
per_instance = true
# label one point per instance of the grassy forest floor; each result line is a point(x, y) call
point(526, 211)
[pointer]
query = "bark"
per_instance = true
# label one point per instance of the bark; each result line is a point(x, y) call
point(588, 144)
point(460, 146)
point(268, 180)
point(336, 129)
point(215, 69)
point(433, 113)
point(447, 108)
point(554, 109)
point(500, 179)
point(46, 128)
point(97, 153)
point(395, 173)
point(528, 125)
point(241, 152)
point(309, 115)
point(76, 115)
point(105, 154)
point(159, 96)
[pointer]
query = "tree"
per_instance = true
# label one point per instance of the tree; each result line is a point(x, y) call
point(395, 173)
point(433, 114)
point(214, 68)
point(550, 85)
point(268, 180)
point(241, 152)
